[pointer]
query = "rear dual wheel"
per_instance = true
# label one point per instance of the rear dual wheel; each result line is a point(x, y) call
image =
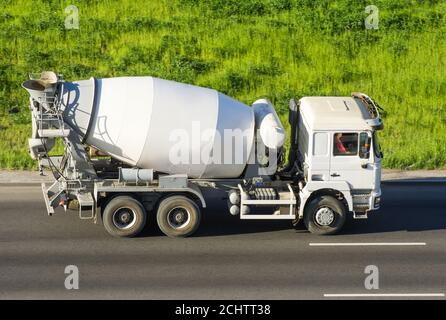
point(178, 216)
point(124, 216)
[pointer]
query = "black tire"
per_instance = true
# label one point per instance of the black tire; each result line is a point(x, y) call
point(178, 216)
point(338, 211)
point(124, 216)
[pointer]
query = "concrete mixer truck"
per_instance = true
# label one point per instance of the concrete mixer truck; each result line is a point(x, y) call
point(140, 146)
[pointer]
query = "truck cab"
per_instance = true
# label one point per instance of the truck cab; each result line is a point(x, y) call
point(338, 153)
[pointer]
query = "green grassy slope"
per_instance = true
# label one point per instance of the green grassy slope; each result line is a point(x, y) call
point(246, 49)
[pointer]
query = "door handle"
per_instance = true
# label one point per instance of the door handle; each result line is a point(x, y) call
point(335, 175)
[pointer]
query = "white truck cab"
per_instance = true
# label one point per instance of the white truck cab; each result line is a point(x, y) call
point(339, 155)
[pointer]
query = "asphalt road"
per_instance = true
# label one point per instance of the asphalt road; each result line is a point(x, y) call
point(227, 258)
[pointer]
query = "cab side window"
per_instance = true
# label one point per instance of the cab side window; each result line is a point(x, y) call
point(320, 144)
point(345, 144)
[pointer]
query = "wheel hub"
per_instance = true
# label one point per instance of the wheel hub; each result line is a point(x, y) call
point(178, 217)
point(325, 216)
point(124, 218)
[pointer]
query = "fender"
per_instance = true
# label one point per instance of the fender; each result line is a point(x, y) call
point(314, 186)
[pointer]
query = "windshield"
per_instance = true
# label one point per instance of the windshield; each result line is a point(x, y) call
point(376, 148)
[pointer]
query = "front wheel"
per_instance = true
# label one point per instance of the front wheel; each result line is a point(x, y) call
point(325, 215)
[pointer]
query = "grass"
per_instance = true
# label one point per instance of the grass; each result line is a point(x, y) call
point(246, 49)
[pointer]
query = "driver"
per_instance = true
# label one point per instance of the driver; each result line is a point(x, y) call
point(340, 148)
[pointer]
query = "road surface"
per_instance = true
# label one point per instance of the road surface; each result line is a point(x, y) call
point(227, 258)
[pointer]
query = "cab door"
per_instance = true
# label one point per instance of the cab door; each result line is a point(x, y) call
point(320, 157)
point(351, 159)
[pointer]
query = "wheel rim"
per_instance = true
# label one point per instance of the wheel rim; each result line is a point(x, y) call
point(178, 217)
point(324, 216)
point(124, 218)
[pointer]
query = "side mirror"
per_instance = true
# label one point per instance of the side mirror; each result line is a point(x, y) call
point(365, 143)
point(364, 164)
point(364, 155)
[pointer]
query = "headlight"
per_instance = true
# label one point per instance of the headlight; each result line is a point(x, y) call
point(377, 201)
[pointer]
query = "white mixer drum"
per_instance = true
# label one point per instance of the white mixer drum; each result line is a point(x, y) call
point(163, 125)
